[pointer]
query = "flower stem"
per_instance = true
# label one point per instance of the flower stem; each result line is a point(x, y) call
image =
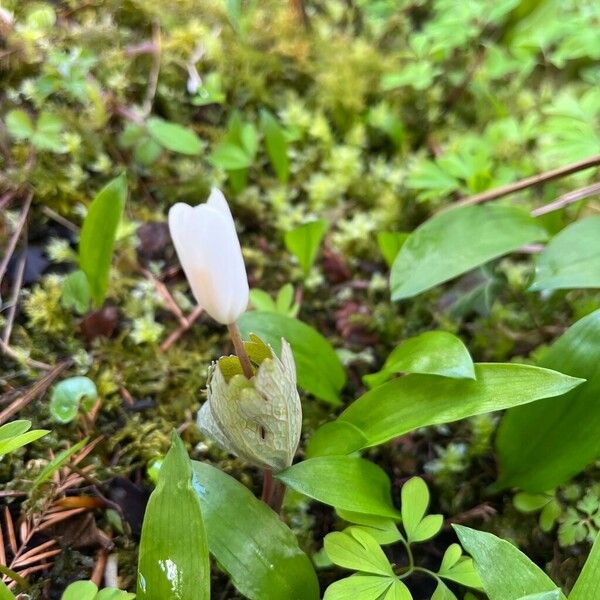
point(238, 345)
point(273, 491)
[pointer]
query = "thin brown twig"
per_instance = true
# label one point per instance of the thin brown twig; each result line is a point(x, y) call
point(60, 219)
point(238, 345)
point(99, 567)
point(14, 298)
point(39, 387)
point(175, 335)
point(566, 199)
point(7, 197)
point(511, 188)
point(34, 364)
point(164, 293)
point(12, 243)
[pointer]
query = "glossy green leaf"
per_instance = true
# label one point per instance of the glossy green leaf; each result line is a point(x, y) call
point(304, 241)
point(506, 573)
point(563, 435)
point(14, 429)
point(68, 395)
point(571, 259)
point(276, 143)
point(174, 137)
point(357, 550)
point(56, 463)
point(76, 293)
point(318, 367)
point(553, 595)
point(463, 572)
point(389, 243)
point(458, 240)
point(98, 235)
point(250, 542)
point(335, 437)
point(432, 352)
point(587, 585)
point(328, 479)
point(414, 401)
point(363, 587)
point(173, 554)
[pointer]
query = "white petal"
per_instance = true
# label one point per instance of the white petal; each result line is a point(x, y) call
point(209, 251)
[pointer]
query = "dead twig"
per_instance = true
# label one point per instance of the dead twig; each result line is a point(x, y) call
point(39, 387)
point(12, 243)
point(540, 178)
point(12, 303)
point(34, 364)
point(566, 199)
point(191, 319)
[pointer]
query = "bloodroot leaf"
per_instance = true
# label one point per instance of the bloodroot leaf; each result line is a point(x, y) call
point(173, 555)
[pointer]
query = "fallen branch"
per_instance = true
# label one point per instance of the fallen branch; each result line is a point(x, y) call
point(528, 182)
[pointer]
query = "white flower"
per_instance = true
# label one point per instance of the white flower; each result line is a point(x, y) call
point(210, 255)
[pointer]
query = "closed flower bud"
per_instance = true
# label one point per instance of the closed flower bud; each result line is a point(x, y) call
point(257, 419)
point(210, 255)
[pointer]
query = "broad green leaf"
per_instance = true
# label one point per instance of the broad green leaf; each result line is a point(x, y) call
point(414, 401)
point(553, 595)
point(587, 585)
point(571, 259)
point(382, 529)
point(19, 125)
point(174, 137)
point(76, 292)
point(363, 587)
point(526, 503)
point(563, 435)
point(389, 243)
point(68, 395)
point(98, 235)
point(458, 240)
point(303, 242)
point(506, 573)
point(415, 500)
point(173, 553)
point(250, 542)
point(328, 479)
point(276, 145)
point(56, 463)
point(6, 594)
point(432, 352)
point(80, 590)
point(357, 550)
point(230, 157)
point(318, 367)
point(335, 437)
